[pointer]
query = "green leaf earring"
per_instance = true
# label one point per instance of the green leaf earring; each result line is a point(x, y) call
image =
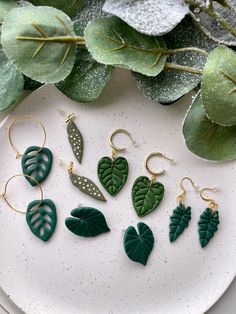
point(209, 219)
point(113, 172)
point(36, 161)
point(146, 193)
point(41, 215)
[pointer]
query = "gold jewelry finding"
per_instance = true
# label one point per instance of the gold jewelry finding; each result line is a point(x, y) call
point(155, 174)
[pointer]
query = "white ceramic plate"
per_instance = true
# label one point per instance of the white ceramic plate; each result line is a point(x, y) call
point(70, 274)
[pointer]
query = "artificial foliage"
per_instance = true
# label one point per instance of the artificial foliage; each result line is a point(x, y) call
point(171, 47)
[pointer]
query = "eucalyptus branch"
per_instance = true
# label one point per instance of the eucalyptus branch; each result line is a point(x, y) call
point(178, 67)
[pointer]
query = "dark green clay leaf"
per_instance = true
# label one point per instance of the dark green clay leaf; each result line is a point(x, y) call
point(206, 139)
point(112, 42)
point(113, 173)
point(11, 83)
point(207, 226)
point(170, 85)
point(87, 79)
point(146, 195)
point(138, 245)
point(219, 86)
point(76, 140)
point(88, 222)
point(41, 217)
point(179, 221)
point(87, 186)
point(37, 163)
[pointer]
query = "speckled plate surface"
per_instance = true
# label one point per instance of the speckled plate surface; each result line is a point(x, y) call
point(70, 274)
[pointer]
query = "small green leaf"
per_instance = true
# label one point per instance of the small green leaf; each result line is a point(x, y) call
point(5, 7)
point(37, 163)
point(41, 217)
point(88, 222)
point(70, 8)
point(40, 41)
point(219, 86)
point(76, 140)
point(87, 79)
point(113, 173)
point(112, 42)
point(11, 83)
point(138, 245)
point(206, 139)
point(87, 186)
point(179, 221)
point(207, 226)
point(146, 195)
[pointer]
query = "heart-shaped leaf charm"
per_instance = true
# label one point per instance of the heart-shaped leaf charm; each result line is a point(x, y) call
point(113, 173)
point(179, 221)
point(41, 217)
point(146, 195)
point(207, 225)
point(138, 246)
point(88, 222)
point(36, 163)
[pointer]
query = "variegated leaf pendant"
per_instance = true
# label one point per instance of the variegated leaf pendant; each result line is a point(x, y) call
point(75, 138)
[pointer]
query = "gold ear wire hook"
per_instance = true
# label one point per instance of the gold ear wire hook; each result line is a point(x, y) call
point(181, 196)
point(119, 149)
point(157, 173)
point(70, 117)
point(212, 204)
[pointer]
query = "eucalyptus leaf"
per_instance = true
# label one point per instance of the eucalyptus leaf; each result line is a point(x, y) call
point(87, 79)
point(219, 86)
point(168, 86)
point(113, 42)
point(5, 7)
point(11, 83)
point(150, 17)
point(206, 139)
point(37, 41)
point(69, 7)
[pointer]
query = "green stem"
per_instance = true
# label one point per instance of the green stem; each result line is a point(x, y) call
point(173, 66)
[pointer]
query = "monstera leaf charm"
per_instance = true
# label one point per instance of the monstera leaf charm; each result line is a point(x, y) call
point(75, 139)
point(41, 217)
point(138, 245)
point(113, 173)
point(37, 163)
point(87, 222)
point(179, 221)
point(146, 195)
point(207, 225)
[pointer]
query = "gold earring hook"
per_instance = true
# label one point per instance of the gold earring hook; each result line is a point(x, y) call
point(212, 204)
point(157, 173)
point(18, 154)
point(181, 196)
point(119, 149)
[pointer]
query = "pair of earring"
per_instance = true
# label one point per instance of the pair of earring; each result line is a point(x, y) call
point(209, 219)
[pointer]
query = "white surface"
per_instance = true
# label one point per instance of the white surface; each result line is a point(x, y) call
point(94, 275)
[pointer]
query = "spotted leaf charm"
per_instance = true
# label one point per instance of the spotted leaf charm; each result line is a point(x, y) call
point(179, 221)
point(41, 217)
point(113, 173)
point(87, 222)
point(75, 139)
point(37, 163)
point(138, 245)
point(146, 195)
point(207, 225)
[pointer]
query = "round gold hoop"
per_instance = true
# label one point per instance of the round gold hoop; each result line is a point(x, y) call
point(18, 154)
point(4, 194)
point(156, 173)
point(117, 131)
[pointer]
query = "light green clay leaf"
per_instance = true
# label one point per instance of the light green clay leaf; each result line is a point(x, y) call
point(38, 41)
point(69, 7)
point(5, 7)
point(87, 79)
point(113, 42)
point(206, 139)
point(11, 83)
point(168, 86)
point(219, 86)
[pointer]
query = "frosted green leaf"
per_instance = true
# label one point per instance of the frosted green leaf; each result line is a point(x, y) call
point(11, 83)
point(69, 7)
point(219, 86)
point(206, 139)
point(87, 79)
point(150, 17)
point(38, 41)
point(113, 42)
point(168, 86)
point(5, 7)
